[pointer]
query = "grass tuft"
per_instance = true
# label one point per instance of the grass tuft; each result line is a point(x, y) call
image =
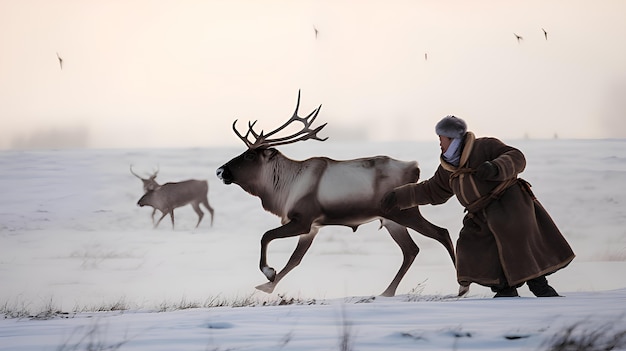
point(581, 337)
point(91, 338)
point(19, 309)
point(346, 336)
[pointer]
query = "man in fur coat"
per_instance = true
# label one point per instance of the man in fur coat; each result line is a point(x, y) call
point(507, 238)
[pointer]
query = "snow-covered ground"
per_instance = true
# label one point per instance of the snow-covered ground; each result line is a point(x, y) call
point(72, 239)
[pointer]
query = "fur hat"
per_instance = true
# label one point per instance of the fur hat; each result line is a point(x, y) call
point(451, 127)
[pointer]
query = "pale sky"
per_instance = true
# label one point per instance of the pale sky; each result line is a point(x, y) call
point(150, 73)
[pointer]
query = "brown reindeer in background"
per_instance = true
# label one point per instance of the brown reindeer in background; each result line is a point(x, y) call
point(320, 191)
point(170, 196)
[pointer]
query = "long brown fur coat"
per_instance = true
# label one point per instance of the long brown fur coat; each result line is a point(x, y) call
point(507, 237)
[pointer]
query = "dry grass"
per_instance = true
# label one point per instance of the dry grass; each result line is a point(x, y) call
point(49, 310)
point(91, 338)
point(581, 336)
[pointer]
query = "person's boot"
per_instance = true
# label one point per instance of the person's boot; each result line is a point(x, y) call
point(505, 292)
point(539, 286)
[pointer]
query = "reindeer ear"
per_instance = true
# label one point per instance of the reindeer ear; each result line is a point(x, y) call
point(271, 152)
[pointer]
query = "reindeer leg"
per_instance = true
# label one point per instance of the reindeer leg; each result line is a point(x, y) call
point(401, 236)
point(292, 228)
point(196, 207)
point(205, 202)
point(172, 216)
point(159, 221)
point(304, 243)
point(413, 219)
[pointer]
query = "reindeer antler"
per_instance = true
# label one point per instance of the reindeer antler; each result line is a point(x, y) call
point(262, 140)
point(138, 176)
point(154, 174)
point(135, 174)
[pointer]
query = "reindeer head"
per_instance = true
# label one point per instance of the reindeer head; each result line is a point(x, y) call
point(149, 183)
point(244, 168)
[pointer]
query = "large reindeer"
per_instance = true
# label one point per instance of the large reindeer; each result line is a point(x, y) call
point(320, 191)
point(170, 196)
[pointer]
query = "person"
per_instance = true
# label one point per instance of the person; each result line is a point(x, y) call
point(507, 238)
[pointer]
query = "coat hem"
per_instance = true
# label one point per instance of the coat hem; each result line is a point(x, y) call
point(546, 271)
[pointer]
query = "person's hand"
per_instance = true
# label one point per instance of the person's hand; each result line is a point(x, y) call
point(389, 201)
point(487, 170)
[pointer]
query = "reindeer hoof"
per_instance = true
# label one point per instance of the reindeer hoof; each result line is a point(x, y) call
point(267, 287)
point(270, 273)
point(388, 293)
point(463, 290)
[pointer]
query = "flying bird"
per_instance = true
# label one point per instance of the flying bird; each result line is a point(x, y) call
point(426, 56)
point(518, 37)
point(545, 34)
point(316, 31)
point(60, 61)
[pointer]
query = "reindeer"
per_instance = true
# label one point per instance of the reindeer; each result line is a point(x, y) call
point(320, 191)
point(170, 196)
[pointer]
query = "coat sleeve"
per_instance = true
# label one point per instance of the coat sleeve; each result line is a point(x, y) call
point(509, 160)
point(434, 191)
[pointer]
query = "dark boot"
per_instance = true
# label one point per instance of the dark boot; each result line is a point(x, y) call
point(505, 292)
point(539, 287)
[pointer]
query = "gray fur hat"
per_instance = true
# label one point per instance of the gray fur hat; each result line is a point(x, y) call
point(451, 127)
